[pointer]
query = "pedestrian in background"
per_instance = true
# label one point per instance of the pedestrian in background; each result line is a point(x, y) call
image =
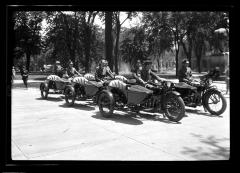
point(24, 74)
point(227, 78)
point(13, 74)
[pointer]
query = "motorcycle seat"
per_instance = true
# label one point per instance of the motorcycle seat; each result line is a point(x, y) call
point(80, 80)
point(89, 76)
point(118, 84)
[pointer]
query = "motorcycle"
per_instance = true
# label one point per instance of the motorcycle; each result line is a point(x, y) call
point(202, 93)
point(86, 87)
point(136, 97)
point(54, 85)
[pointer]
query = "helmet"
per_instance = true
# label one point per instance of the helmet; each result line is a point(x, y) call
point(57, 62)
point(70, 63)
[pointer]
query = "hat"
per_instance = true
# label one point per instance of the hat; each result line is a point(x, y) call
point(71, 62)
point(147, 61)
point(103, 61)
point(57, 62)
point(185, 61)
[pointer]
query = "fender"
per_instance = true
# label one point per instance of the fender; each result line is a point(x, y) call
point(43, 84)
point(209, 91)
point(174, 93)
point(109, 93)
point(69, 86)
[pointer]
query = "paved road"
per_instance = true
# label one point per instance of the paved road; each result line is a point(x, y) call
point(48, 130)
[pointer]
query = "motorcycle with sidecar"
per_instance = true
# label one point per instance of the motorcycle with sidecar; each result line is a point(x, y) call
point(54, 85)
point(86, 87)
point(202, 93)
point(136, 97)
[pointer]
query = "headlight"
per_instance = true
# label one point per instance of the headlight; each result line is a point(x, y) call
point(168, 83)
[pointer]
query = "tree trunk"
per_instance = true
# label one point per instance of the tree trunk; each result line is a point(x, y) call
point(198, 52)
point(108, 38)
point(28, 56)
point(116, 47)
point(87, 49)
point(176, 59)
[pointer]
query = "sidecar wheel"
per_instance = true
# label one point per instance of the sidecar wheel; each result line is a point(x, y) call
point(174, 108)
point(70, 96)
point(215, 103)
point(106, 105)
point(44, 91)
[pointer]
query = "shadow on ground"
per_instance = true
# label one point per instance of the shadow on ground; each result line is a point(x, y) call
point(85, 107)
point(214, 149)
point(134, 118)
point(53, 99)
point(200, 112)
point(126, 119)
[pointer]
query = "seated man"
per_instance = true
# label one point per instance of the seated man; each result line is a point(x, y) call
point(71, 71)
point(147, 74)
point(136, 72)
point(57, 69)
point(103, 71)
point(185, 73)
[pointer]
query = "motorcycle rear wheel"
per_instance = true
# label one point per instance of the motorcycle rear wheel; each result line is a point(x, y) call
point(106, 105)
point(174, 108)
point(70, 96)
point(214, 97)
point(44, 91)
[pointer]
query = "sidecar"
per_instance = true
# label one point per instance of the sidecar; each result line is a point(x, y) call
point(53, 85)
point(119, 94)
point(82, 88)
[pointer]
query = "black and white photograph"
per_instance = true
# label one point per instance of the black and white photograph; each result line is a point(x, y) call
point(119, 85)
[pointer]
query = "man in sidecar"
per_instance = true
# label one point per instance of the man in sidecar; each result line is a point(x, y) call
point(71, 71)
point(103, 71)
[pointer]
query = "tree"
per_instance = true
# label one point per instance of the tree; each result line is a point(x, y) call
point(108, 38)
point(117, 29)
point(27, 27)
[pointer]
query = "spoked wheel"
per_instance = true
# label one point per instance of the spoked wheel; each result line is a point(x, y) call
point(70, 96)
point(44, 91)
point(215, 103)
point(174, 108)
point(106, 105)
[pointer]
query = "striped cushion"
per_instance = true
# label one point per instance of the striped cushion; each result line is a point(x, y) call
point(54, 78)
point(89, 76)
point(117, 84)
point(122, 78)
point(80, 80)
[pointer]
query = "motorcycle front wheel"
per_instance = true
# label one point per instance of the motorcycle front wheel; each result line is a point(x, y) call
point(174, 108)
point(215, 103)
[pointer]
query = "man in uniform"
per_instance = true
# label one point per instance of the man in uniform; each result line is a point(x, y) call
point(57, 69)
point(71, 71)
point(147, 73)
point(185, 73)
point(103, 71)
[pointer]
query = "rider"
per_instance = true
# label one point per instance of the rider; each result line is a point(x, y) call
point(185, 73)
point(136, 72)
point(24, 74)
point(57, 69)
point(147, 73)
point(103, 70)
point(71, 71)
